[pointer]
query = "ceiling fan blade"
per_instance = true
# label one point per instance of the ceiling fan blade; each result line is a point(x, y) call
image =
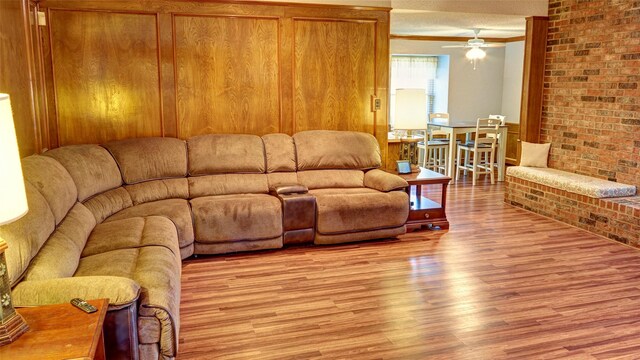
point(494, 45)
point(454, 46)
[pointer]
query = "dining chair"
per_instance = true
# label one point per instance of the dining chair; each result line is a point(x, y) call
point(502, 122)
point(486, 137)
point(435, 151)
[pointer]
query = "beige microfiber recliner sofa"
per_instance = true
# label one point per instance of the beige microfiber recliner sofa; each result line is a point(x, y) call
point(114, 221)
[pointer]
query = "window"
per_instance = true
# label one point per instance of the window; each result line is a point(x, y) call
point(413, 72)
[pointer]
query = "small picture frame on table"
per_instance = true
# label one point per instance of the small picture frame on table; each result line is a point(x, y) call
point(404, 166)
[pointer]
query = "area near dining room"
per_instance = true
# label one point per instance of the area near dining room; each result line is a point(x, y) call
point(499, 83)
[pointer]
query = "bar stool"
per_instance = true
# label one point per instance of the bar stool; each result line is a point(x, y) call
point(484, 144)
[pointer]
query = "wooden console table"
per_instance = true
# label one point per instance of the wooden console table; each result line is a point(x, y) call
point(424, 211)
point(59, 332)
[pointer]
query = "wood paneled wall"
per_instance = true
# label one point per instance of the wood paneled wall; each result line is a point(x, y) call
point(118, 69)
point(19, 66)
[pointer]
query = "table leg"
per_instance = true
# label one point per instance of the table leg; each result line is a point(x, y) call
point(443, 201)
point(467, 139)
point(451, 166)
point(502, 152)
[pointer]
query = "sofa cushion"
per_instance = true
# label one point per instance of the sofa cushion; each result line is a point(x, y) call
point(324, 239)
point(157, 270)
point(575, 183)
point(132, 233)
point(226, 184)
point(212, 248)
point(52, 181)
point(225, 153)
point(236, 217)
point(280, 152)
point(108, 203)
point(25, 236)
point(321, 179)
point(328, 149)
point(158, 190)
point(149, 158)
point(120, 291)
point(176, 210)
point(92, 168)
point(281, 178)
point(351, 210)
point(383, 181)
point(59, 256)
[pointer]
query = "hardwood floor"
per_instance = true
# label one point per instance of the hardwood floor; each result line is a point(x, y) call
point(502, 283)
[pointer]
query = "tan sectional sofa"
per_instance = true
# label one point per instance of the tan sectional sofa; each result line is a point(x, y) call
point(114, 221)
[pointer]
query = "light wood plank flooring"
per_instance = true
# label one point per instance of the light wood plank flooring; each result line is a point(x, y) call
point(502, 283)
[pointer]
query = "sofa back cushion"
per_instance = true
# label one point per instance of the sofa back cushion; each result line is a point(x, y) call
point(328, 149)
point(25, 236)
point(149, 158)
point(158, 190)
point(53, 182)
point(226, 184)
point(92, 168)
point(225, 154)
point(325, 179)
point(108, 203)
point(280, 152)
point(60, 255)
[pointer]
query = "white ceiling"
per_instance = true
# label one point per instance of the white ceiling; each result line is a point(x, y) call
point(497, 18)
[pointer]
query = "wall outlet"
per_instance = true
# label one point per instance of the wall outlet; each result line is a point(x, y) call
point(376, 103)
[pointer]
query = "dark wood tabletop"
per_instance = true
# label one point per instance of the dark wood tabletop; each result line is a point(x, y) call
point(59, 331)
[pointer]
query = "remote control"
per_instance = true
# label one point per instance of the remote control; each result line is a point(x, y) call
point(83, 305)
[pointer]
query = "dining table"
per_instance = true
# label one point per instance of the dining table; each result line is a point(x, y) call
point(454, 127)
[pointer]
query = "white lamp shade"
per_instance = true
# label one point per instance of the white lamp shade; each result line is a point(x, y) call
point(13, 200)
point(476, 53)
point(411, 109)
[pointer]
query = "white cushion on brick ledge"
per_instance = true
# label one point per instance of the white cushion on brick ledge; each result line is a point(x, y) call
point(575, 183)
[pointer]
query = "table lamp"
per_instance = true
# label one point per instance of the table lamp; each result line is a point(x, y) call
point(411, 114)
point(13, 200)
point(411, 110)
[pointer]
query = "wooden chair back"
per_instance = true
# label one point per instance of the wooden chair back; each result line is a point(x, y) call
point(502, 118)
point(443, 116)
point(434, 131)
point(499, 117)
point(487, 131)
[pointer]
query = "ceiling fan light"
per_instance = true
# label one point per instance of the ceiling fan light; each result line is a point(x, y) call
point(476, 54)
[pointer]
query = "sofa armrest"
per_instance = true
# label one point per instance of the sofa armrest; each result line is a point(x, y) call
point(384, 181)
point(286, 189)
point(120, 291)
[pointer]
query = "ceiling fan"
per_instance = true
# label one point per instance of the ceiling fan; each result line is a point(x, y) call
point(475, 46)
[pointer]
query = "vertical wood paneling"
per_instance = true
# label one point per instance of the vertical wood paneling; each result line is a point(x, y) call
point(15, 72)
point(535, 46)
point(382, 86)
point(106, 75)
point(334, 75)
point(36, 63)
point(227, 75)
point(165, 32)
point(513, 136)
point(117, 68)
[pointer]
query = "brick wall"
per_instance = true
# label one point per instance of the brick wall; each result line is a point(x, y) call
point(591, 109)
point(615, 218)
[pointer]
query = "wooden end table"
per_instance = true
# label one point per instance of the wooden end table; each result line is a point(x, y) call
point(424, 211)
point(59, 332)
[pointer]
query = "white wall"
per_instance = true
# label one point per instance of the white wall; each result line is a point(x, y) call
point(472, 93)
point(512, 83)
